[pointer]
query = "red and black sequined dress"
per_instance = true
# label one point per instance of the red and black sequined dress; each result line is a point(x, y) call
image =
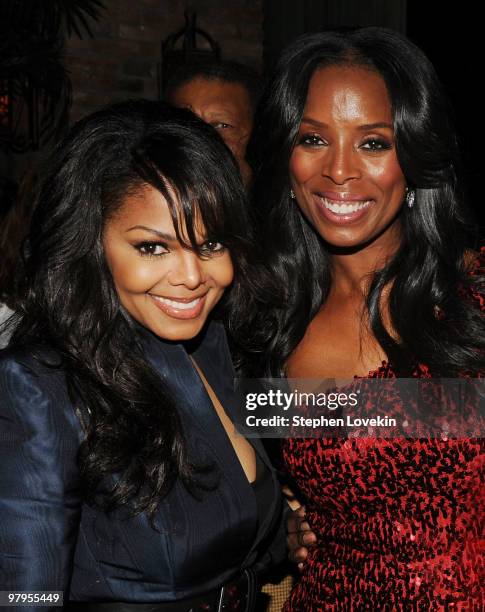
point(399, 521)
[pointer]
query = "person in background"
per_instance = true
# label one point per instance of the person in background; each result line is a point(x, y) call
point(375, 275)
point(225, 95)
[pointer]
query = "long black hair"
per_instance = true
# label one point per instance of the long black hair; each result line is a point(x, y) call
point(428, 273)
point(70, 303)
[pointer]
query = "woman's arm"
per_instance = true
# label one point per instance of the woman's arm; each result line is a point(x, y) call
point(40, 501)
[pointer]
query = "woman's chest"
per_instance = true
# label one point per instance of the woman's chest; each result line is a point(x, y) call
point(337, 344)
point(350, 485)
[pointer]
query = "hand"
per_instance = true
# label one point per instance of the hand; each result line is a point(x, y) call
point(299, 537)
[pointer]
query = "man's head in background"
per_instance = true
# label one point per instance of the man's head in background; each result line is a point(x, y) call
point(223, 94)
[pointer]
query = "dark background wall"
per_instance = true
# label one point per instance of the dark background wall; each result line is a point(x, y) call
point(453, 39)
point(120, 61)
point(286, 19)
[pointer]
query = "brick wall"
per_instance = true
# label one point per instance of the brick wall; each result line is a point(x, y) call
point(121, 60)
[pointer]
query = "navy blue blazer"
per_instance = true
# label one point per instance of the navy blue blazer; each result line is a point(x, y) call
point(51, 540)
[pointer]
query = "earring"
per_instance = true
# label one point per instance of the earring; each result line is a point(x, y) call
point(292, 194)
point(410, 197)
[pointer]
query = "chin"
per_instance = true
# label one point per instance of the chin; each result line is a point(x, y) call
point(355, 241)
point(179, 332)
point(338, 241)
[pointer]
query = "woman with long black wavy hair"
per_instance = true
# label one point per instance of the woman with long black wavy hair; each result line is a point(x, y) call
point(355, 164)
point(122, 482)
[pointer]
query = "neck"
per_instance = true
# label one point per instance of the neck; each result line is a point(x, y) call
point(352, 269)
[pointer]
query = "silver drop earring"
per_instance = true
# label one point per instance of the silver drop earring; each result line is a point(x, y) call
point(410, 197)
point(292, 194)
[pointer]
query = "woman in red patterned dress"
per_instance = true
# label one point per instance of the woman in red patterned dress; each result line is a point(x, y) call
point(356, 186)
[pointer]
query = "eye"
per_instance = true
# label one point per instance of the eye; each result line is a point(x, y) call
point(220, 125)
point(211, 247)
point(151, 249)
point(311, 140)
point(376, 144)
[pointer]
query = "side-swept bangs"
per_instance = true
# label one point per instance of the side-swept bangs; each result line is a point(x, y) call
point(198, 179)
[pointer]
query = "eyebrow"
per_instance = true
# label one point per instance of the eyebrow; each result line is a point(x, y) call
point(161, 235)
point(364, 127)
point(374, 126)
point(220, 115)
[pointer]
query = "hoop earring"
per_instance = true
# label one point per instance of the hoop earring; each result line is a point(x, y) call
point(410, 197)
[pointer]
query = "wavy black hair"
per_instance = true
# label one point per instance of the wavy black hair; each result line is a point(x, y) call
point(70, 303)
point(428, 273)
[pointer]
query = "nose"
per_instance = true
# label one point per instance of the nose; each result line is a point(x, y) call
point(188, 270)
point(340, 164)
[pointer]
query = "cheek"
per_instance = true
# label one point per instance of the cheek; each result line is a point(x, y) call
point(233, 140)
point(134, 277)
point(387, 175)
point(129, 271)
point(221, 271)
point(229, 140)
point(302, 167)
point(243, 133)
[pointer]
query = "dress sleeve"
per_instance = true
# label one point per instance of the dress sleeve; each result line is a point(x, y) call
point(40, 501)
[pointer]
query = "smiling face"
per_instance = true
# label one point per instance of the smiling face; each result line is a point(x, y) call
point(226, 106)
point(165, 286)
point(344, 168)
